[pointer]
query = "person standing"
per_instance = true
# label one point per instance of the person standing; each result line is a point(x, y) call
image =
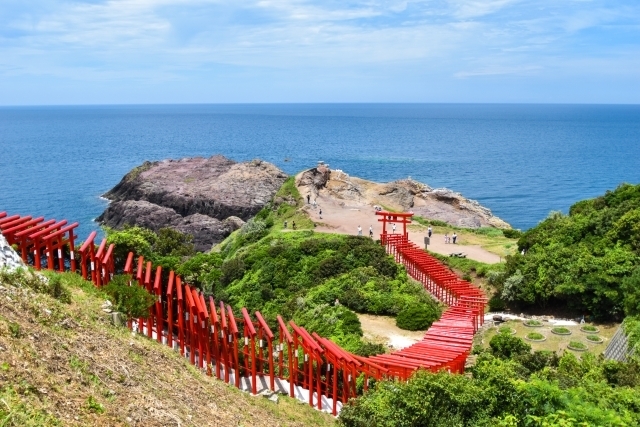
point(393, 228)
point(446, 238)
point(308, 198)
point(429, 231)
point(293, 225)
point(454, 237)
point(371, 231)
point(320, 213)
point(359, 231)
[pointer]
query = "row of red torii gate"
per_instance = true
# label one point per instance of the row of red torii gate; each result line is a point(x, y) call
point(244, 349)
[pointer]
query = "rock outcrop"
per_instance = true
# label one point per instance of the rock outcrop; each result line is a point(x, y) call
point(8, 257)
point(402, 195)
point(207, 198)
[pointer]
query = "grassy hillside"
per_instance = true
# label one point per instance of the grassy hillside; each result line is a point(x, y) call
point(63, 364)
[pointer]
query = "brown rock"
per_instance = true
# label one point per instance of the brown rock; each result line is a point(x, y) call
point(402, 195)
point(207, 198)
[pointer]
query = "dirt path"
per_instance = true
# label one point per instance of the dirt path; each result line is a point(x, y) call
point(383, 330)
point(344, 219)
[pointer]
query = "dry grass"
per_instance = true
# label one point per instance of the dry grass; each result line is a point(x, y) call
point(66, 365)
point(553, 342)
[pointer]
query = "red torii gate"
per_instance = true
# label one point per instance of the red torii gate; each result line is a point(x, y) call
point(395, 218)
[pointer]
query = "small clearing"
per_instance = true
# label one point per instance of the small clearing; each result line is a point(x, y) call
point(383, 330)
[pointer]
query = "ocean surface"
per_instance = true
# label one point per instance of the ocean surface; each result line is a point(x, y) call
point(521, 161)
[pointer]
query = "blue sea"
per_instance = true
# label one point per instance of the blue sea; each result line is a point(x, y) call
point(521, 161)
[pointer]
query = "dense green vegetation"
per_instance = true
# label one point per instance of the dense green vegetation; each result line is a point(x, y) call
point(587, 261)
point(318, 280)
point(132, 301)
point(510, 387)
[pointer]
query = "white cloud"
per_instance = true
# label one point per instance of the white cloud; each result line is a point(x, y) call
point(498, 71)
point(169, 39)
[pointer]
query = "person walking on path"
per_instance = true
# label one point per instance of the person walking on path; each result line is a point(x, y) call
point(455, 236)
point(371, 231)
point(429, 231)
point(393, 228)
point(293, 225)
point(320, 213)
point(314, 203)
point(308, 198)
point(446, 238)
point(359, 231)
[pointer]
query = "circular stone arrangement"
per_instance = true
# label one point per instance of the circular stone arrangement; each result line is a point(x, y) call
point(595, 339)
point(589, 329)
point(532, 323)
point(535, 337)
point(561, 331)
point(506, 330)
point(577, 346)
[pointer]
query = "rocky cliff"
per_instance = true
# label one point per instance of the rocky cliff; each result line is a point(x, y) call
point(208, 198)
point(402, 195)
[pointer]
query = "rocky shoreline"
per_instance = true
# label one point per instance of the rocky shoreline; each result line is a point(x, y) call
point(405, 195)
point(210, 198)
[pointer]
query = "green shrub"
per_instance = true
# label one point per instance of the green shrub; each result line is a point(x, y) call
point(505, 330)
point(133, 301)
point(58, 290)
point(203, 271)
point(594, 338)
point(535, 336)
point(367, 349)
point(14, 330)
point(496, 303)
point(512, 233)
point(416, 317)
point(577, 345)
point(538, 360)
point(623, 374)
point(531, 322)
point(231, 270)
point(253, 230)
point(588, 328)
point(173, 243)
point(506, 346)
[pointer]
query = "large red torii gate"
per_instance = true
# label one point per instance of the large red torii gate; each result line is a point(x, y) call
point(395, 218)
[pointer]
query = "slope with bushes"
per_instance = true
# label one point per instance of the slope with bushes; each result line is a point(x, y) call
point(320, 280)
point(509, 387)
point(63, 364)
point(587, 261)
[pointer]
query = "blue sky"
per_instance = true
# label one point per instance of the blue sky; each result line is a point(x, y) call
point(208, 51)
